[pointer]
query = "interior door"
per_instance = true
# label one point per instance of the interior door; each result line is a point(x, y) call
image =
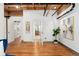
point(37, 34)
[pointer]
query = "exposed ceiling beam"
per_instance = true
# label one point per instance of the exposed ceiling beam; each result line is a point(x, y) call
point(57, 9)
point(34, 3)
point(73, 5)
point(38, 5)
point(45, 9)
point(11, 7)
point(48, 11)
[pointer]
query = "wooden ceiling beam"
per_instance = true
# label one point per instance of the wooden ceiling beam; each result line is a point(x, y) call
point(63, 8)
point(57, 10)
point(11, 7)
point(45, 9)
point(48, 11)
point(34, 3)
point(29, 7)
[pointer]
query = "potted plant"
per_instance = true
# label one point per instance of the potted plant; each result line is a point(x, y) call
point(55, 33)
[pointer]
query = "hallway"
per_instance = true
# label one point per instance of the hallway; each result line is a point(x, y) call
point(30, 49)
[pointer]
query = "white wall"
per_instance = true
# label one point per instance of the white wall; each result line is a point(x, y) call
point(73, 44)
point(2, 22)
point(2, 28)
point(11, 28)
point(47, 23)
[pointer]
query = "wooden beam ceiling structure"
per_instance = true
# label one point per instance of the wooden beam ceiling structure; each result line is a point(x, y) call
point(57, 10)
point(64, 7)
point(54, 7)
point(45, 9)
point(16, 9)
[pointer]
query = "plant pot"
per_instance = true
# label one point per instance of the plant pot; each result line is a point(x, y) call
point(55, 41)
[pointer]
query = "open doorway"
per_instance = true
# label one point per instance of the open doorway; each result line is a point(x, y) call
point(37, 34)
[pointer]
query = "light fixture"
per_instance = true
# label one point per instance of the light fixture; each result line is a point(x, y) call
point(55, 7)
point(17, 6)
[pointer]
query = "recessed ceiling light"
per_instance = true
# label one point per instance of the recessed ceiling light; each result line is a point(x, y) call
point(17, 6)
point(54, 7)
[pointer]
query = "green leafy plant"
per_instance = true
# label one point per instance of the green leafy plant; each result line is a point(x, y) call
point(55, 33)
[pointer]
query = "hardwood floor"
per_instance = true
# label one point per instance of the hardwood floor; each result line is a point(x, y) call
point(36, 49)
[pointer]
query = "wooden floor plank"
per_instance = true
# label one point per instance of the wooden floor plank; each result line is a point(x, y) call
point(32, 49)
